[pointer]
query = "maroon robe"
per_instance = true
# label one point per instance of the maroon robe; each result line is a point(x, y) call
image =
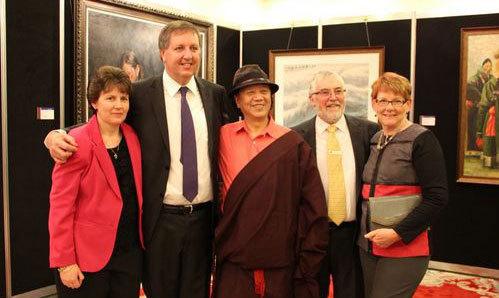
point(274, 220)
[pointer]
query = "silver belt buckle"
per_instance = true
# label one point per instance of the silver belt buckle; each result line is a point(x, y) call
point(191, 208)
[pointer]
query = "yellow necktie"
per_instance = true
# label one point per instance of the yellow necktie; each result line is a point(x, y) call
point(336, 201)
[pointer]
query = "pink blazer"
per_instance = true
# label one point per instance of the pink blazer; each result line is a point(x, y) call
point(86, 202)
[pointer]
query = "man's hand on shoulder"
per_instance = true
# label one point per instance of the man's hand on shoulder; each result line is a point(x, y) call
point(60, 145)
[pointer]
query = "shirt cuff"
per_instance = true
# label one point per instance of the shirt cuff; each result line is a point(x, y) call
point(56, 130)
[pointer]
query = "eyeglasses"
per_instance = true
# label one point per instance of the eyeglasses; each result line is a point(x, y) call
point(396, 103)
point(326, 93)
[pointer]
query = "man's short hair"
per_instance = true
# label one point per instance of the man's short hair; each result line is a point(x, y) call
point(320, 76)
point(175, 26)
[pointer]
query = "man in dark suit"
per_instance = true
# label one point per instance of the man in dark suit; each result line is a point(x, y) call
point(327, 95)
point(177, 117)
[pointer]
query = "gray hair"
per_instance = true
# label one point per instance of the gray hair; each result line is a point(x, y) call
point(175, 26)
point(322, 75)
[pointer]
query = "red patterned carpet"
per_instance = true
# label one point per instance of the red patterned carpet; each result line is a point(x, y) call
point(445, 284)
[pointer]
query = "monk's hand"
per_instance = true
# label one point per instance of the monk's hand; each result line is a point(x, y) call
point(61, 146)
point(71, 276)
point(383, 237)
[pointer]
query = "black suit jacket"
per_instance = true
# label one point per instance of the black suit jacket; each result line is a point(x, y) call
point(147, 115)
point(361, 132)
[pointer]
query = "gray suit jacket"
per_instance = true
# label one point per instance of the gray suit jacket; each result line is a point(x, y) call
point(361, 132)
point(148, 117)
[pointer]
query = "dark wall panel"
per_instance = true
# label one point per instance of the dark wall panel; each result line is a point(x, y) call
point(227, 55)
point(256, 44)
point(69, 92)
point(394, 35)
point(466, 233)
point(344, 35)
point(32, 80)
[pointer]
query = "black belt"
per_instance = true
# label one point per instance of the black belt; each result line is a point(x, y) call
point(345, 224)
point(185, 209)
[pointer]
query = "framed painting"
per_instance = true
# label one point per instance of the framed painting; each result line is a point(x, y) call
point(114, 32)
point(478, 142)
point(293, 71)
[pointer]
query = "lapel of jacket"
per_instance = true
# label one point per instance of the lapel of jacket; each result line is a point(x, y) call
point(207, 99)
point(158, 102)
point(308, 133)
point(357, 145)
point(135, 157)
point(102, 155)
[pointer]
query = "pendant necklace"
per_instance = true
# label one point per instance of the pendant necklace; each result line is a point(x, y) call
point(115, 153)
point(387, 140)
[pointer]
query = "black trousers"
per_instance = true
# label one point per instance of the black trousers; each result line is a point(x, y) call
point(177, 261)
point(392, 277)
point(119, 279)
point(342, 263)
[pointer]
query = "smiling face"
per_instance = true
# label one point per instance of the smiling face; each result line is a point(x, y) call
point(391, 118)
point(111, 107)
point(181, 58)
point(254, 102)
point(328, 99)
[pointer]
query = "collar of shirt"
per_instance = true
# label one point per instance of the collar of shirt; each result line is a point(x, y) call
point(272, 129)
point(171, 86)
point(322, 125)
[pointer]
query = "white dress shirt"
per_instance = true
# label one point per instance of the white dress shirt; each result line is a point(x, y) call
point(347, 161)
point(173, 193)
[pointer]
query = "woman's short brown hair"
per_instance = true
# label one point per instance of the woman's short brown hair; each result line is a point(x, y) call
point(104, 79)
point(390, 81)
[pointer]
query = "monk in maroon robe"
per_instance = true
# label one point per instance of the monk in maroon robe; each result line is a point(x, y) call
point(272, 233)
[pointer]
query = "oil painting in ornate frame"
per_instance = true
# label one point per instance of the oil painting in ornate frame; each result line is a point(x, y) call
point(478, 144)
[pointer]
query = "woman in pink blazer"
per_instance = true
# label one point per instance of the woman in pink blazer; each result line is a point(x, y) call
point(96, 200)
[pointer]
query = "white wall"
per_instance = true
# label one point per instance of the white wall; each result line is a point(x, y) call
point(264, 14)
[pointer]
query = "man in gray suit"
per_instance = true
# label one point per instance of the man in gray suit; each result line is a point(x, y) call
point(178, 206)
point(327, 95)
